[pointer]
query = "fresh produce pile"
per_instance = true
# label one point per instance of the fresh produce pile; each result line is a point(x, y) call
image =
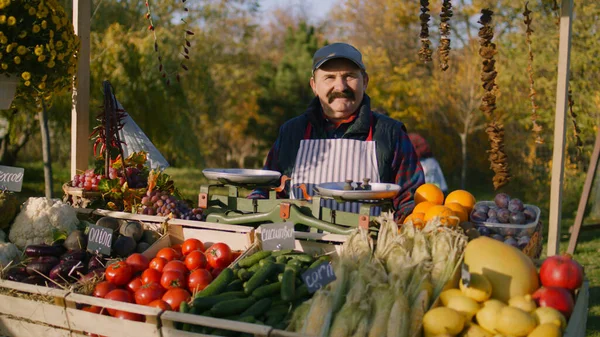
point(262, 288)
point(430, 203)
point(383, 291)
point(505, 298)
point(166, 280)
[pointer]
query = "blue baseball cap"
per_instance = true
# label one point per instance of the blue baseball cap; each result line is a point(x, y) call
point(337, 51)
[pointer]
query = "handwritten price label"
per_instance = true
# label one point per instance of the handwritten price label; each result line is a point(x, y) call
point(277, 236)
point(11, 178)
point(99, 239)
point(318, 276)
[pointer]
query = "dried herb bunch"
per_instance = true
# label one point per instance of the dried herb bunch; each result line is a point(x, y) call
point(444, 48)
point(425, 51)
point(537, 129)
point(576, 129)
point(495, 129)
point(185, 47)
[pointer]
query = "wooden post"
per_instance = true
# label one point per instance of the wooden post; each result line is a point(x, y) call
point(585, 195)
point(558, 155)
point(46, 153)
point(80, 120)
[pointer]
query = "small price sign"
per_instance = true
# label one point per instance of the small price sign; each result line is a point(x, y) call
point(277, 236)
point(11, 178)
point(99, 239)
point(465, 275)
point(318, 276)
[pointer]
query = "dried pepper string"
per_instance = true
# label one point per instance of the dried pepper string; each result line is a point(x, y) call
point(494, 129)
point(444, 47)
point(185, 46)
point(425, 51)
point(537, 129)
point(576, 129)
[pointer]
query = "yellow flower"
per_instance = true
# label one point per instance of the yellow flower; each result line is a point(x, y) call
point(11, 21)
point(42, 86)
point(21, 50)
point(60, 57)
point(3, 39)
point(59, 45)
point(32, 11)
point(41, 58)
point(9, 48)
point(51, 34)
point(22, 34)
point(39, 50)
point(2, 19)
point(27, 83)
point(56, 20)
point(17, 60)
point(44, 24)
point(1, 55)
point(51, 64)
point(44, 78)
point(36, 28)
point(26, 75)
point(4, 66)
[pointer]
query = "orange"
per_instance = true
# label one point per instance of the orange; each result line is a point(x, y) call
point(462, 197)
point(418, 220)
point(429, 192)
point(423, 207)
point(458, 210)
point(444, 213)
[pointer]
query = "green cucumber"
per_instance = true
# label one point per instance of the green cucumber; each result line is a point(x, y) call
point(201, 304)
point(280, 309)
point(274, 319)
point(288, 285)
point(245, 274)
point(280, 277)
point(295, 263)
point(301, 292)
point(282, 252)
point(232, 307)
point(304, 258)
point(254, 267)
point(258, 308)
point(218, 285)
point(267, 290)
point(281, 259)
point(266, 260)
point(324, 258)
point(259, 277)
point(235, 285)
point(254, 258)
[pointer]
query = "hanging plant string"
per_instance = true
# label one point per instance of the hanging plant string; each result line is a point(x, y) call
point(576, 129)
point(425, 51)
point(185, 46)
point(536, 128)
point(444, 47)
point(495, 129)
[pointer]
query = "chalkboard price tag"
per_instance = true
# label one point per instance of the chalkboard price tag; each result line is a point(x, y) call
point(465, 275)
point(318, 277)
point(277, 236)
point(11, 178)
point(99, 239)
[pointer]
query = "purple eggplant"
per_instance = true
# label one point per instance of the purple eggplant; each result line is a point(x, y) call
point(44, 250)
point(74, 254)
point(42, 265)
point(67, 270)
point(91, 275)
point(35, 279)
point(96, 262)
point(17, 274)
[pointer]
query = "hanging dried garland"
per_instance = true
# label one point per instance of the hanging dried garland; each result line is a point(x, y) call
point(425, 51)
point(186, 45)
point(576, 129)
point(495, 129)
point(537, 129)
point(444, 48)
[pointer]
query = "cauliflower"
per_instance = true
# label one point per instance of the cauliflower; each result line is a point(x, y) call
point(39, 218)
point(8, 252)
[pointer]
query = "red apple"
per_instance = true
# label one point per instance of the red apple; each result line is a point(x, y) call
point(555, 297)
point(561, 271)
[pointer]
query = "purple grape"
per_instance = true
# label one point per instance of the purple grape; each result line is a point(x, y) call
point(478, 216)
point(481, 208)
point(502, 200)
point(492, 213)
point(515, 205)
point(530, 213)
point(517, 218)
point(498, 237)
point(523, 242)
point(484, 231)
point(511, 241)
point(503, 215)
point(493, 220)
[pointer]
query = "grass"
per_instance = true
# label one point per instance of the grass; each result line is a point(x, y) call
point(188, 181)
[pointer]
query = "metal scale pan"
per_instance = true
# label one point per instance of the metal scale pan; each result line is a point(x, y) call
point(243, 176)
point(343, 191)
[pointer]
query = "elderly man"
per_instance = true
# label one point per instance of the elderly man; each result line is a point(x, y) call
point(338, 137)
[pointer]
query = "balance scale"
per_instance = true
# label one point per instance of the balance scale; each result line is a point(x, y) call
point(224, 201)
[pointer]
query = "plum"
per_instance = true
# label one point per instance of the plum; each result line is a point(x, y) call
point(503, 215)
point(517, 218)
point(493, 220)
point(481, 208)
point(515, 205)
point(530, 214)
point(502, 200)
point(523, 242)
point(492, 213)
point(478, 216)
point(498, 237)
point(511, 241)
point(484, 231)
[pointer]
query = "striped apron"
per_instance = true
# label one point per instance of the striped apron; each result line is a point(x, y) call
point(334, 160)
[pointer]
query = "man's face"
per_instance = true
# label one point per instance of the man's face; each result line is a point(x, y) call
point(340, 85)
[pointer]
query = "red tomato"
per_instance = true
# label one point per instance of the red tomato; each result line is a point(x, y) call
point(160, 304)
point(128, 315)
point(172, 279)
point(219, 255)
point(148, 293)
point(175, 296)
point(138, 262)
point(158, 263)
point(177, 248)
point(103, 288)
point(199, 279)
point(92, 308)
point(151, 275)
point(120, 295)
point(215, 272)
point(195, 260)
point(119, 273)
point(176, 265)
point(235, 254)
point(168, 254)
point(134, 284)
point(190, 245)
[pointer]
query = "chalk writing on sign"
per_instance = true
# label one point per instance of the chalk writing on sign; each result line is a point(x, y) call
point(318, 277)
point(277, 236)
point(99, 239)
point(11, 178)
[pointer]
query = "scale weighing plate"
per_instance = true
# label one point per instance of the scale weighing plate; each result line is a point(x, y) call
point(378, 191)
point(242, 176)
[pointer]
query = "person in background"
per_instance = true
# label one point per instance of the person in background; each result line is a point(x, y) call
point(431, 167)
point(339, 137)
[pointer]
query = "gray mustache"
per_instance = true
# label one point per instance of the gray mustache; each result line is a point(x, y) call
point(340, 94)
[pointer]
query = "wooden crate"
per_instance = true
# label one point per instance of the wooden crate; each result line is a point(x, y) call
point(578, 321)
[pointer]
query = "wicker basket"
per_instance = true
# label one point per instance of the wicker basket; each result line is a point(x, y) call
point(78, 197)
point(534, 247)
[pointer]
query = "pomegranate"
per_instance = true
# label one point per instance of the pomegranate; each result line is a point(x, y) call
point(555, 297)
point(561, 271)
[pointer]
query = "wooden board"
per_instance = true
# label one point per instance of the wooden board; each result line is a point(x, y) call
point(578, 321)
point(20, 328)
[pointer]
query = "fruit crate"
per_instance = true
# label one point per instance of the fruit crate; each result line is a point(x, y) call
point(78, 197)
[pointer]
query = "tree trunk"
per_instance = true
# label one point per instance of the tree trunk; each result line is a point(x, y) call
point(463, 170)
point(45, 133)
point(9, 148)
